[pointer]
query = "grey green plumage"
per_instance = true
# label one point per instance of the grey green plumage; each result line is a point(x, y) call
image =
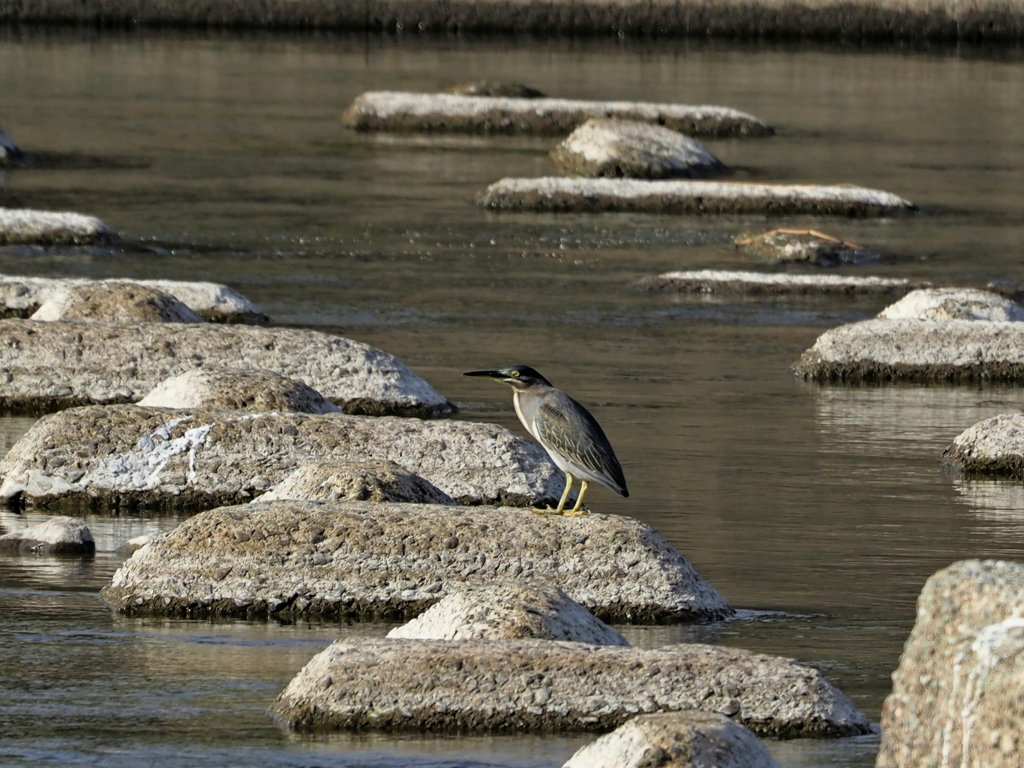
point(565, 429)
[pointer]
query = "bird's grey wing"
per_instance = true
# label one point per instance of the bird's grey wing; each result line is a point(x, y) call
point(569, 429)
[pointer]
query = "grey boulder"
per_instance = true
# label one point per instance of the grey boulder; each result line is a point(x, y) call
point(357, 480)
point(57, 536)
point(237, 389)
point(954, 304)
point(20, 226)
point(994, 446)
point(115, 303)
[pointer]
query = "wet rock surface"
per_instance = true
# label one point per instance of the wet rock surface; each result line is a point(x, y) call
point(441, 112)
point(123, 457)
point(675, 740)
point(357, 480)
point(626, 148)
point(237, 389)
point(57, 536)
point(47, 366)
point(958, 693)
point(19, 226)
point(114, 303)
point(347, 558)
point(954, 304)
point(994, 446)
point(808, 246)
point(764, 283)
point(505, 611)
point(541, 685)
point(556, 194)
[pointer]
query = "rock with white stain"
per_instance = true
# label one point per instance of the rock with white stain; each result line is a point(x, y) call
point(57, 536)
point(21, 226)
point(503, 611)
point(626, 148)
point(954, 304)
point(560, 195)
point(958, 694)
point(917, 350)
point(362, 558)
point(10, 154)
point(993, 446)
point(125, 457)
point(114, 303)
point(47, 366)
point(807, 246)
point(545, 685)
point(712, 281)
point(675, 740)
point(237, 389)
point(357, 480)
point(214, 302)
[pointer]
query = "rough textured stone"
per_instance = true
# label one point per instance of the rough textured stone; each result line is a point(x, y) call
point(56, 536)
point(804, 246)
point(763, 283)
point(521, 685)
point(954, 304)
point(442, 112)
point(675, 740)
point(626, 148)
point(916, 350)
point(122, 457)
point(238, 389)
point(23, 226)
point(994, 446)
point(504, 611)
point(46, 366)
point(493, 88)
point(556, 194)
point(216, 303)
point(378, 559)
point(958, 693)
point(132, 546)
point(357, 480)
point(114, 303)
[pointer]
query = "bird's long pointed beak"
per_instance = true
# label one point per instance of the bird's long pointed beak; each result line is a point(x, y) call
point(486, 374)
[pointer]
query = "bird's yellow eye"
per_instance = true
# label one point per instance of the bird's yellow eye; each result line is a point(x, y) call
point(515, 374)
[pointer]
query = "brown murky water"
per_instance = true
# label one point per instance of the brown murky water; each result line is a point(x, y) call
point(819, 511)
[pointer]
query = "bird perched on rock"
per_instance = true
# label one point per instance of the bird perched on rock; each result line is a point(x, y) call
point(566, 430)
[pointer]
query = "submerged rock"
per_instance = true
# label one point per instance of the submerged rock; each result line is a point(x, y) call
point(958, 693)
point(764, 283)
point(804, 246)
point(56, 536)
point(357, 480)
point(675, 740)
point(556, 194)
point(994, 446)
point(20, 226)
point(114, 303)
point(122, 457)
point(63, 364)
point(530, 685)
point(503, 611)
point(493, 88)
point(442, 112)
point(626, 148)
point(347, 558)
point(954, 304)
point(237, 389)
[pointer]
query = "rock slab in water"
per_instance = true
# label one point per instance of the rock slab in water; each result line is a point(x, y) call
point(675, 740)
point(47, 366)
point(126, 457)
point(804, 246)
point(509, 610)
point(559, 195)
point(954, 304)
point(442, 112)
point(543, 685)
point(626, 148)
point(20, 226)
point(57, 536)
point(994, 446)
point(958, 693)
point(357, 480)
point(374, 559)
point(237, 389)
point(762, 283)
point(916, 350)
point(114, 303)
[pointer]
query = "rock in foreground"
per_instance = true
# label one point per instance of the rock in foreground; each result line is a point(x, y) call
point(357, 480)
point(917, 350)
point(558, 195)
point(371, 559)
point(958, 693)
point(59, 365)
point(954, 304)
point(21, 226)
point(237, 389)
point(763, 283)
point(675, 740)
point(56, 536)
point(114, 303)
point(506, 611)
point(991, 447)
point(541, 685)
point(125, 457)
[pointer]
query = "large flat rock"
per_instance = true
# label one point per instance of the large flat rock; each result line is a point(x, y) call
point(774, 284)
point(47, 366)
point(346, 558)
point(917, 350)
point(19, 226)
point(993, 446)
point(529, 685)
point(561, 195)
point(122, 457)
point(445, 112)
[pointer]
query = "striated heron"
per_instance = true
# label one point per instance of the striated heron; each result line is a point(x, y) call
point(566, 430)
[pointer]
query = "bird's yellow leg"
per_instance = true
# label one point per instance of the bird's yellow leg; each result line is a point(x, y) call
point(579, 509)
point(561, 503)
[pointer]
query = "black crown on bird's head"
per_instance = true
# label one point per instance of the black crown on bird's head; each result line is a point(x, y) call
point(518, 376)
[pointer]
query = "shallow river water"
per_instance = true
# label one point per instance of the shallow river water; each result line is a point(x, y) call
point(818, 511)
